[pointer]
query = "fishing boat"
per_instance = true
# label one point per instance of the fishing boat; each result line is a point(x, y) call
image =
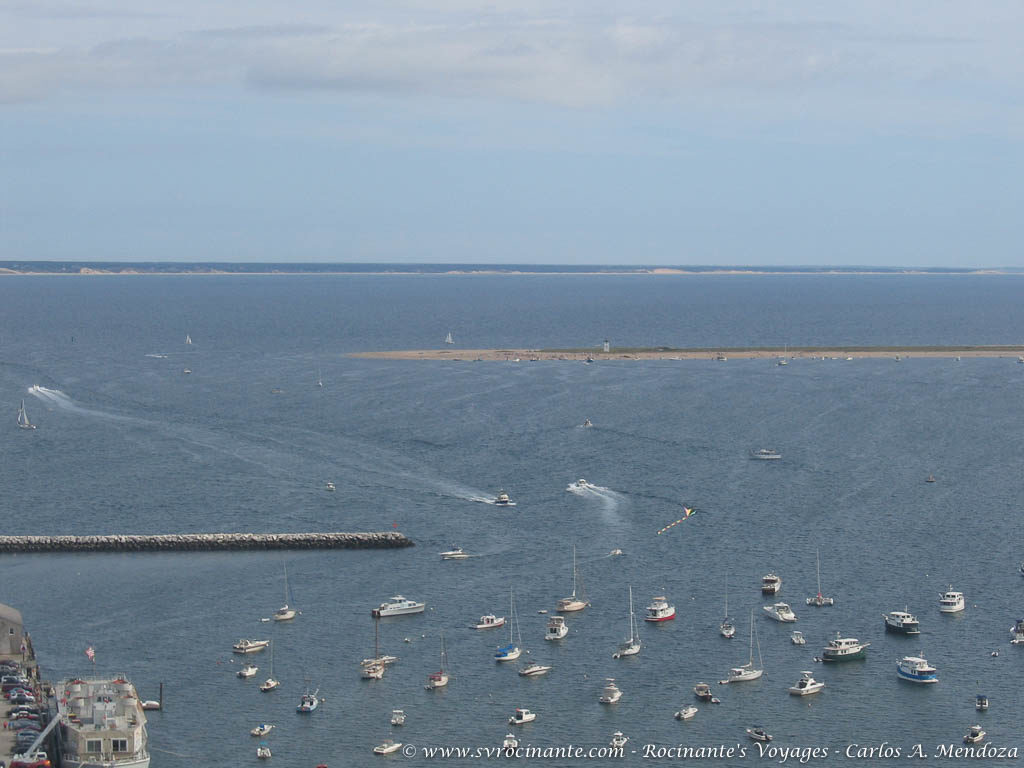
point(448, 339)
point(806, 685)
point(727, 629)
point(521, 716)
point(818, 600)
point(770, 584)
point(660, 610)
point(23, 422)
point(309, 701)
point(759, 734)
point(916, 670)
point(397, 717)
point(901, 622)
point(579, 485)
point(387, 746)
point(511, 651)
point(686, 713)
point(573, 603)
point(610, 693)
point(630, 647)
point(249, 670)
point(329, 486)
point(490, 621)
point(974, 735)
point(249, 646)
point(285, 613)
point(398, 606)
point(263, 751)
point(440, 678)
point(844, 649)
point(587, 423)
point(748, 671)
point(271, 682)
point(557, 628)
point(261, 730)
point(950, 601)
point(780, 612)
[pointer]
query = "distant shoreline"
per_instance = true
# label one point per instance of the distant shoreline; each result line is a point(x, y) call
point(720, 353)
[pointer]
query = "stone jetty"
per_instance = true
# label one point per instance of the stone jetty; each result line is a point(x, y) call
point(203, 542)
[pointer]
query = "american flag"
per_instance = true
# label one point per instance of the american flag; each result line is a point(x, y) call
point(90, 653)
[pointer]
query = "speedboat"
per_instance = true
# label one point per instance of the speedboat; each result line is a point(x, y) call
point(249, 646)
point(263, 751)
point(455, 554)
point(765, 454)
point(618, 740)
point(579, 485)
point(981, 702)
point(308, 702)
point(330, 486)
point(702, 691)
point(587, 423)
point(916, 670)
point(611, 693)
point(1017, 632)
point(686, 713)
point(974, 735)
point(262, 729)
point(269, 684)
point(615, 553)
point(797, 637)
point(502, 500)
point(398, 606)
point(387, 746)
point(510, 743)
point(490, 621)
point(660, 610)
point(770, 584)
point(557, 628)
point(780, 612)
point(844, 649)
point(522, 716)
point(759, 734)
point(533, 669)
point(951, 602)
point(806, 685)
point(901, 622)
point(248, 670)
point(397, 717)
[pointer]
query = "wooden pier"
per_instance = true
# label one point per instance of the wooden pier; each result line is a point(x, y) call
point(204, 542)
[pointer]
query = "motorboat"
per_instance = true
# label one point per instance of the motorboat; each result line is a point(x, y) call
point(916, 670)
point(930, 479)
point(387, 746)
point(186, 371)
point(806, 685)
point(901, 622)
point(618, 740)
point(702, 691)
point(398, 606)
point(579, 485)
point(557, 628)
point(765, 454)
point(510, 743)
point(1020, 570)
point(770, 584)
point(615, 553)
point(330, 486)
point(573, 602)
point(149, 704)
point(249, 646)
point(371, 671)
point(1017, 632)
point(248, 670)
point(951, 602)
point(780, 612)
point(263, 751)
point(455, 554)
point(521, 716)
point(974, 735)
point(269, 684)
point(686, 713)
point(502, 500)
point(759, 734)
point(261, 730)
point(309, 702)
point(534, 669)
point(611, 693)
point(587, 423)
point(981, 702)
point(747, 671)
point(397, 717)
point(632, 645)
point(819, 600)
point(844, 649)
point(797, 637)
point(490, 621)
point(660, 610)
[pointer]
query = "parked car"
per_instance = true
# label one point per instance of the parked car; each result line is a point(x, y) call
point(35, 760)
point(21, 725)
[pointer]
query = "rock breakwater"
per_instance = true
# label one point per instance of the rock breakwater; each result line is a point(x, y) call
point(200, 542)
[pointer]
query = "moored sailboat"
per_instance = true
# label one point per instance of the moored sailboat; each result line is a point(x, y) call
point(285, 612)
point(440, 678)
point(510, 652)
point(748, 671)
point(630, 647)
point(818, 600)
point(573, 602)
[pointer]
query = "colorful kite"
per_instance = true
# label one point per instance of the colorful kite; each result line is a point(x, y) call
point(677, 522)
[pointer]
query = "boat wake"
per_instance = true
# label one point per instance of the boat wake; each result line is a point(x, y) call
point(609, 499)
point(156, 355)
point(490, 500)
point(54, 398)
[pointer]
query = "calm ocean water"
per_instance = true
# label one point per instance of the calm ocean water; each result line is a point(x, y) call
point(127, 443)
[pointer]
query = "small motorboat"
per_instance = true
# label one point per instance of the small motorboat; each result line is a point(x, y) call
point(330, 486)
point(686, 713)
point(930, 479)
point(522, 716)
point(981, 702)
point(510, 743)
point(262, 729)
point(766, 454)
point(263, 751)
point(503, 500)
point(248, 670)
point(587, 423)
point(611, 693)
point(798, 637)
point(974, 735)
point(458, 553)
point(269, 684)
point(618, 740)
point(702, 691)
point(387, 746)
point(308, 702)
point(490, 621)
point(149, 704)
point(806, 685)
point(759, 734)
point(249, 646)
point(397, 717)
point(533, 669)
point(615, 553)
point(780, 612)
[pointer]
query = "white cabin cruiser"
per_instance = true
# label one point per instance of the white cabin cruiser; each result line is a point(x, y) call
point(522, 716)
point(387, 746)
point(534, 669)
point(974, 735)
point(503, 500)
point(686, 713)
point(806, 685)
point(660, 610)
point(458, 553)
point(263, 751)
point(510, 743)
point(397, 717)
point(916, 670)
point(579, 485)
point(398, 606)
point(611, 693)
point(797, 637)
point(557, 628)
point(618, 740)
point(249, 646)
point(770, 584)
point(951, 602)
point(766, 454)
point(249, 670)
point(261, 730)
point(780, 612)
point(844, 649)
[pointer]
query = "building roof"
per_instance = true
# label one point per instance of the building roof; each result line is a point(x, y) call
point(11, 615)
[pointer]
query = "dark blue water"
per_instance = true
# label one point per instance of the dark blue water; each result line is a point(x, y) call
point(127, 443)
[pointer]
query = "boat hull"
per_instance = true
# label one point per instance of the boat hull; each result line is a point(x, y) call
point(75, 762)
point(826, 655)
point(381, 613)
point(661, 618)
point(903, 629)
point(912, 677)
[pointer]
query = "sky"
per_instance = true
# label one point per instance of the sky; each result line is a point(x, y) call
point(561, 132)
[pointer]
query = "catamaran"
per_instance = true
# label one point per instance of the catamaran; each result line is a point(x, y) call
point(632, 646)
point(23, 421)
point(818, 600)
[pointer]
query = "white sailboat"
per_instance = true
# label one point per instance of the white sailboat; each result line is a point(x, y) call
point(271, 682)
point(448, 339)
point(632, 646)
point(285, 613)
point(818, 600)
point(726, 628)
point(373, 669)
point(748, 671)
point(573, 603)
point(188, 339)
point(23, 421)
point(319, 378)
point(439, 679)
point(511, 652)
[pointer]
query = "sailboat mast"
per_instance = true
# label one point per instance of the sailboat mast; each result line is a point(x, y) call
point(632, 621)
